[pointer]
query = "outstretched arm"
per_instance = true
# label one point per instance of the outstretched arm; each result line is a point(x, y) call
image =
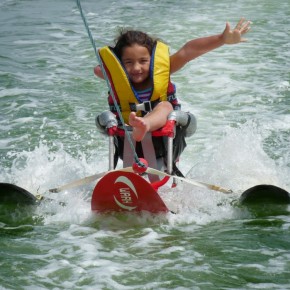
point(197, 47)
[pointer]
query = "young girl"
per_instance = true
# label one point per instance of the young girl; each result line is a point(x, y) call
point(134, 50)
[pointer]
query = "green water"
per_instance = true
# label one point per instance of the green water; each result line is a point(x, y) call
point(49, 98)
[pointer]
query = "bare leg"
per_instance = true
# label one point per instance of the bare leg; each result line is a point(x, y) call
point(151, 122)
point(140, 126)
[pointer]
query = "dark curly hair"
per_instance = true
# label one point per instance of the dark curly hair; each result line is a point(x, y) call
point(129, 37)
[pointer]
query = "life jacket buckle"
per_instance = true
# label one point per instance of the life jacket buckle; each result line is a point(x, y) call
point(145, 107)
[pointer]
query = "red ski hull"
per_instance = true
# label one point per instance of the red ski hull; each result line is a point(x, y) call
point(127, 192)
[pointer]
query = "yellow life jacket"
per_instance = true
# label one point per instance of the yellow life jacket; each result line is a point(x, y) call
point(121, 85)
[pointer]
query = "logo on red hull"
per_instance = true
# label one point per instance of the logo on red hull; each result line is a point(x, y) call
point(126, 194)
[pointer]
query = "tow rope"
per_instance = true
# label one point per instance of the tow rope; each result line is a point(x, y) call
point(136, 158)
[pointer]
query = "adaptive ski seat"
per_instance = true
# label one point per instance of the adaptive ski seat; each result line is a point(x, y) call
point(161, 148)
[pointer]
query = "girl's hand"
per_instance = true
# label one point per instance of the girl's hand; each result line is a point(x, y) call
point(235, 36)
point(98, 72)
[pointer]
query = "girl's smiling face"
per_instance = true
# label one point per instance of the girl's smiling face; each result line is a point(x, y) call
point(136, 61)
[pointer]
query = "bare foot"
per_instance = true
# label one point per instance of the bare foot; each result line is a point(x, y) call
point(140, 126)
